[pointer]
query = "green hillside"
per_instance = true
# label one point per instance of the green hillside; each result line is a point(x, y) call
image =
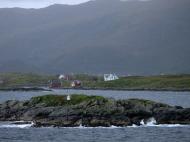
point(161, 82)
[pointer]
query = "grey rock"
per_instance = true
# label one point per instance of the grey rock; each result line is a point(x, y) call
point(93, 113)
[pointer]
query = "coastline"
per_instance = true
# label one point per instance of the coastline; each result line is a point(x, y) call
point(128, 89)
point(25, 89)
point(92, 88)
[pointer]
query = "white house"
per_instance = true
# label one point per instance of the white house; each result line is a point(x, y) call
point(109, 77)
point(61, 76)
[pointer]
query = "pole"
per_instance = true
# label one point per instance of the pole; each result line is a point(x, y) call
point(68, 99)
point(67, 110)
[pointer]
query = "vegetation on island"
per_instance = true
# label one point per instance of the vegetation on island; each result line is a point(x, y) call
point(53, 100)
point(61, 100)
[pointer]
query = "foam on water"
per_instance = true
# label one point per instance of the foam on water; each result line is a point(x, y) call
point(149, 123)
point(152, 123)
point(13, 125)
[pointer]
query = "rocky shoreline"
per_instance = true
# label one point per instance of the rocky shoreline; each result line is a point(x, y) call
point(129, 89)
point(91, 111)
point(92, 88)
point(25, 89)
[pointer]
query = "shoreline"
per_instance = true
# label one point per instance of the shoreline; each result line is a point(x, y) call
point(127, 89)
point(91, 88)
point(24, 89)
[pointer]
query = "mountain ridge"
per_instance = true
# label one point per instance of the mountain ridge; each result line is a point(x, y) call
point(97, 37)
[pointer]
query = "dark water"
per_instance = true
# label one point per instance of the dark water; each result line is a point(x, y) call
point(166, 133)
point(171, 98)
point(141, 134)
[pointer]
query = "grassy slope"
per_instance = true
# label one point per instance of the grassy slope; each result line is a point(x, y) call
point(167, 82)
point(21, 79)
point(59, 100)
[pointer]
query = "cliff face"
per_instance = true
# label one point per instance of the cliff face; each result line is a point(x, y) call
point(53, 110)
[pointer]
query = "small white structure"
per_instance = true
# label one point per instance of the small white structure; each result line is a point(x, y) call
point(68, 97)
point(110, 77)
point(61, 76)
point(76, 83)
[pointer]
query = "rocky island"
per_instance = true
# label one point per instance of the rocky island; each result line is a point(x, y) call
point(90, 111)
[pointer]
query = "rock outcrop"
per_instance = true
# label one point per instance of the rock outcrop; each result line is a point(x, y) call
point(90, 111)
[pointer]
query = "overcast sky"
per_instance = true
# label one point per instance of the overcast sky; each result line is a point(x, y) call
point(36, 3)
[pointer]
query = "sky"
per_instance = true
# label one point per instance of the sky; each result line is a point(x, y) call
point(36, 3)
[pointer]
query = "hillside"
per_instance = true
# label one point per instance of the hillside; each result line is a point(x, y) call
point(155, 83)
point(16, 81)
point(102, 36)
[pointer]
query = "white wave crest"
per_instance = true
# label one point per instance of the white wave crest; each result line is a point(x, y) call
point(149, 122)
point(16, 124)
point(152, 123)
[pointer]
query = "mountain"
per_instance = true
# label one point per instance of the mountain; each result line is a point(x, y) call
point(101, 36)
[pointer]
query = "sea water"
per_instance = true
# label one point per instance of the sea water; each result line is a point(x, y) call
point(148, 131)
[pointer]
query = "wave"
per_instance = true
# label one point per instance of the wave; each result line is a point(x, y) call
point(16, 124)
point(149, 123)
point(152, 123)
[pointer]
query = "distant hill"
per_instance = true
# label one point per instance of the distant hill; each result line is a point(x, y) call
point(102, 36)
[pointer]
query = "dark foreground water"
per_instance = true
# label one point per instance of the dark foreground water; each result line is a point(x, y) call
point(138, 134)
point(147, 133)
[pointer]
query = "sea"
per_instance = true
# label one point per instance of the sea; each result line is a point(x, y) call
point(150, 132)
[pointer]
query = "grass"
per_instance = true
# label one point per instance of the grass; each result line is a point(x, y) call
point(161, 82)
point(150, 82)
point(145, 102)
point(60, 100)
point(24, 79)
